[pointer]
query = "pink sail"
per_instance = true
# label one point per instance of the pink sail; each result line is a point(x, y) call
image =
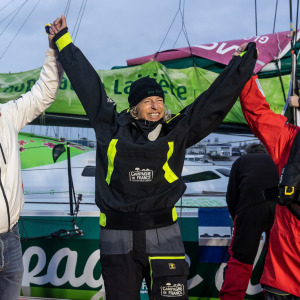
point(270, 46)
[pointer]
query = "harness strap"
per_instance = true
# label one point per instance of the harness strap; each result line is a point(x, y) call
point(138, 221)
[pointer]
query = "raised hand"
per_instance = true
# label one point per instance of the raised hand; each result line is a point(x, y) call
point(58, 25)
point(294, 101)
point(241, 49)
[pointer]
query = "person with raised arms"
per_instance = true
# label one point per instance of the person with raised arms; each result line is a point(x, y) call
point(140, 156)
point(281, 275)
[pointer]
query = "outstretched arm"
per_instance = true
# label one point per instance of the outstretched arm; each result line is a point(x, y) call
point(83, 77)
point(211, 107)
point(272, 129)
point(30, 105)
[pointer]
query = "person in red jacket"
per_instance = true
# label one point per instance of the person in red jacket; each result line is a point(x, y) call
point(281, 275)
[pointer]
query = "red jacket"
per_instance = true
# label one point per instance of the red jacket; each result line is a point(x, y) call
point(282, 265)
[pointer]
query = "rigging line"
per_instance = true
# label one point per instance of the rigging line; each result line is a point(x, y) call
point(6, 5)
point(281, 82)
point(11, 13)
point(80, 20)
point(255, 18)
point(168, 30)
point(67, 8)
point(181, 25)
point(77, 17)
point(178, 37)
point(186, 34)
point(275, 16)
point(20, 7)
point(20, 29)
point(296, 34)
point(183, 29)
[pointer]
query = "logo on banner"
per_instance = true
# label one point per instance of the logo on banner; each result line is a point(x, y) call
point(141, 175)
point(172, 290)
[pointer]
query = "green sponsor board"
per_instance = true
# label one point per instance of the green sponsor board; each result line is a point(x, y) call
point(181, 87)
point(69, 267)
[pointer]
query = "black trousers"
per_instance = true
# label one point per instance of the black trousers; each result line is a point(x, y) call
point(249, 225)
point(161, 262)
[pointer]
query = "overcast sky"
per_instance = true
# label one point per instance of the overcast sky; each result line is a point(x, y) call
point(112, 31)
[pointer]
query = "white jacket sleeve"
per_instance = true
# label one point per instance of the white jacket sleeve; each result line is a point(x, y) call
point(30, 105)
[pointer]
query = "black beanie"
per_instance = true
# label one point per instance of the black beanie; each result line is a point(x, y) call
point(143, 88)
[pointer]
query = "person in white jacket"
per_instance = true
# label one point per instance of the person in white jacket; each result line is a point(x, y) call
point(14, 115)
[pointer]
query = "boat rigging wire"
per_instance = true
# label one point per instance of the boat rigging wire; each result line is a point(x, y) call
point(79, 18)
point(18, 10)
point(255, 17)
point(67, 8)
point(297, 15)
point(169, 29)
point(292, 86)
point(20, 28)
point(12, 12)
point(6, 5)
point(183, 28)
point(275, 15)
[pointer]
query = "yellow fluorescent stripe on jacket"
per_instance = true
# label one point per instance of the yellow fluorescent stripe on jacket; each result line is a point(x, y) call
point(169, 174)
point(111, 153)
point(63, 41)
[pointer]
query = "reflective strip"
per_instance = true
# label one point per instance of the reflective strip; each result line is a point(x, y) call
point(63, 41)
point(102, 220)
point(174, 214)
point(243, 53)
point(111, 153)
point(173, 118)
point(169, 174)
point(161, 257)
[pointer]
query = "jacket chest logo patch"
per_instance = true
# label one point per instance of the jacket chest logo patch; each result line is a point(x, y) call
point(172, 290)
point(141, 175)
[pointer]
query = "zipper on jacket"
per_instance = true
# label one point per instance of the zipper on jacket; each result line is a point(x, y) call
point(3, 191)
point(2, 153)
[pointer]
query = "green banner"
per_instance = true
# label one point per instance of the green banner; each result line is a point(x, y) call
point(181, 87)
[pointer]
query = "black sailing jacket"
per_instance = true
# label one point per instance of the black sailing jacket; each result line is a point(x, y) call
point(134, 174)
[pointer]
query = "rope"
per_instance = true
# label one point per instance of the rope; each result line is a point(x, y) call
point(255, 18)
point(6, 5)
point(85, 2)
point(168, 30)
point(297, 20)
point(280, 78)
point(67, 8)
point(183, 28)
point(12, 12)
point(19, 8)
point(275, 16)
point(292, 87)
point(20, 28)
